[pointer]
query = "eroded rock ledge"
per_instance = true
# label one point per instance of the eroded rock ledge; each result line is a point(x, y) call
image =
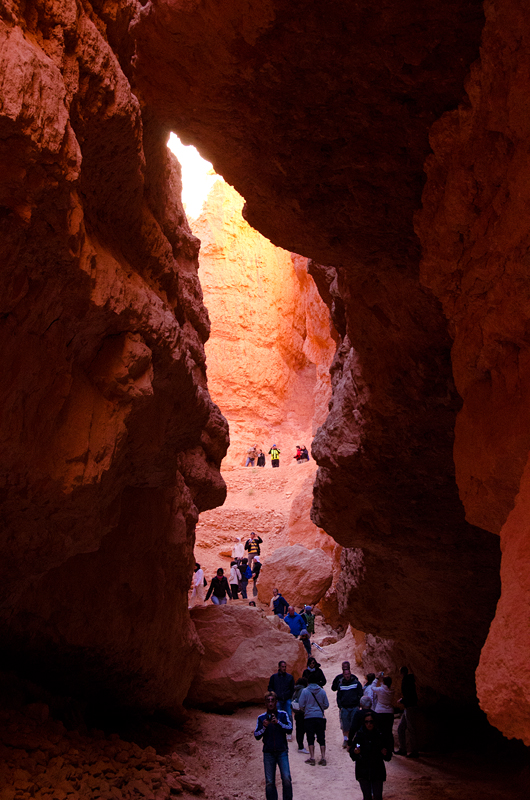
point(110, 442)
point(320, 116)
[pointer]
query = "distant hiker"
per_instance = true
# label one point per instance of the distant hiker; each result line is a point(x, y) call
point(273, 727)
point(298, 453)
point(235, 577)
point(300, 685)
point(275, 456)
point(261, 459)
point(282, 683)
point(252, 546)
point(246, 575)
point(279, 605)
point(252, 454)
point(295, 622)
point(256, 567)
point(219, 589)
point(349, 692)
point(384, 697)
point(304, 455)
point(309, 618)
point(198, 582)
point(369, 753)
point(409, 720)
point(313, 702)
point(306, 641)
point(369, 686)
point(238, 550)
point(313, 673)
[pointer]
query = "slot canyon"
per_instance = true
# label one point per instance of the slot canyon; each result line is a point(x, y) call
point(354, 282)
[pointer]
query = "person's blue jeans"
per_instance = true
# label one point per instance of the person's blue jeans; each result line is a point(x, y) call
point(270, 760)
point(218, 601)
point(285, 705)
point(249, 462)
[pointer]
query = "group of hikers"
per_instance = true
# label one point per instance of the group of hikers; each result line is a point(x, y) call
point(243, 568)
point(366, 714)
point(255, 455)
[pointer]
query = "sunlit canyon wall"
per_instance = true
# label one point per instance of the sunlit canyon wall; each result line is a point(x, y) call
point(326, 115)
point(331, 121)
point(270, 347)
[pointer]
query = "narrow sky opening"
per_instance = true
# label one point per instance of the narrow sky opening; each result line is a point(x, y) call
point(198, 176)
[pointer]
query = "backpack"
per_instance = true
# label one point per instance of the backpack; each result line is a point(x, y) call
point(296, 697)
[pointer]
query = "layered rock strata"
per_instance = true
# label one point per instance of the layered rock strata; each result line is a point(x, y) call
point(111, 444)
point(475, 259)
point(270, 347)
point(320, 117)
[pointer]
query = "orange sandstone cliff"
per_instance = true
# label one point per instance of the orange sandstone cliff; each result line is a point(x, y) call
point(270, 347)
point(111, 444)
point(319, 115)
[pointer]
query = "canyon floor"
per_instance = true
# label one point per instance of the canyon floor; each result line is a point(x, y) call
point(229, 761)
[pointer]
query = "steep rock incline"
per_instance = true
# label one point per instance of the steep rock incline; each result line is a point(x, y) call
point(270, 347)
point(475, 243)
point(110, 442)
point(319, 115)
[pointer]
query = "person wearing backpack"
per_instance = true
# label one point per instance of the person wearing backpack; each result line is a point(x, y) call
point(300, 685)
point(246, 575)
point(313, 702)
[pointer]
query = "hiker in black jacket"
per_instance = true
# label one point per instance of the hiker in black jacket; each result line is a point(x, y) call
point(219, 588)
point(369, 752)
point(282, 684)
point(349, 692)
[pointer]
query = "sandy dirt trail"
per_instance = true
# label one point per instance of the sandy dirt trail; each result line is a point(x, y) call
point(230, 762)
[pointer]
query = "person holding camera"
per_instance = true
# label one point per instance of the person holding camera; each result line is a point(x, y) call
point(273, 727)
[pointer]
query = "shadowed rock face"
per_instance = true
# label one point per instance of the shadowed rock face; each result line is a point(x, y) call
point(320, 117)
point(110, 442)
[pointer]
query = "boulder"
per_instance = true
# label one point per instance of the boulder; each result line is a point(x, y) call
point(242, 649)
point(301, 575)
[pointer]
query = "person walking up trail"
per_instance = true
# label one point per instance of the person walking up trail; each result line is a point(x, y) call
point(219, 589)
point(313, 673)
point(369, 753)
point(273, 727)
point(235, 577)
point(246, 575)
point(313, 702)
point(279, 605)
point(409, 720)
point(256, 567)
point(349, 692)
point(300, 685)
point(282, 684)
point(198, 581)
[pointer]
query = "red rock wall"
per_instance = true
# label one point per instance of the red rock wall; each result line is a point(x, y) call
point(475, 258)
point(270, 346)
point(320, 117)
point(110, 442)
